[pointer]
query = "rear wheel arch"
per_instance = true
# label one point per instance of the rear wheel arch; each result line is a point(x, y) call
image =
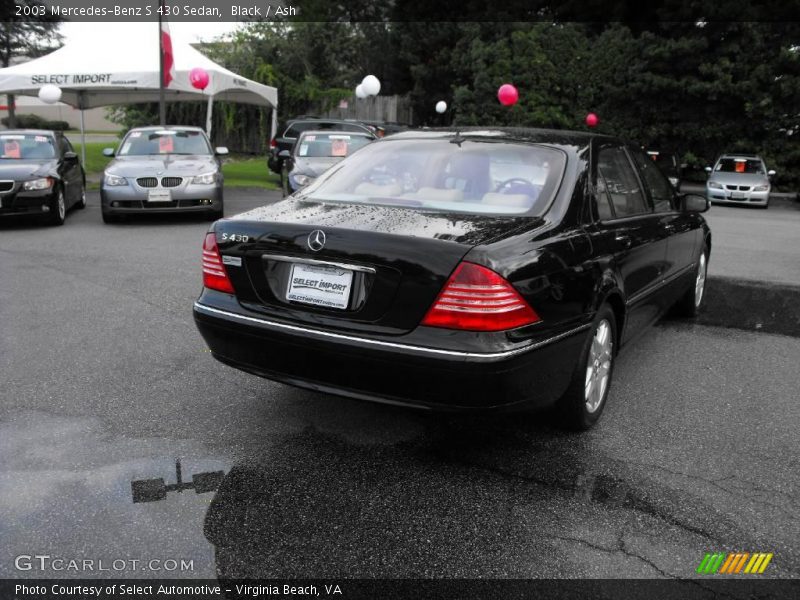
point(614, 299)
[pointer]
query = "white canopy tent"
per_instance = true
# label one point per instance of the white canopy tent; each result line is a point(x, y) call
point(121, 66)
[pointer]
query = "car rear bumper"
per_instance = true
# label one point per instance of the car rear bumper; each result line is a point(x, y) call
point(390, 371)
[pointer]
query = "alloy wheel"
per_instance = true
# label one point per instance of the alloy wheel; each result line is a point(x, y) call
point(61, 206)
point(700, 282)
point(598, 366)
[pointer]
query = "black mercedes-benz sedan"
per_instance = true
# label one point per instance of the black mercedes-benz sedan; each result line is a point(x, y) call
point(458, 270)
point(40, 174)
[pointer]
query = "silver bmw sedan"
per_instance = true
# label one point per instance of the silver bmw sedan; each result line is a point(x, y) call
point(163, 169)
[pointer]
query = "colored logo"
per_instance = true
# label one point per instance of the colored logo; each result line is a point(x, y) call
point(734, 563)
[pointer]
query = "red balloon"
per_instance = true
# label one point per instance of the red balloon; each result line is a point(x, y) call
point(198, 78)
point(507, 94)
point(592, 120)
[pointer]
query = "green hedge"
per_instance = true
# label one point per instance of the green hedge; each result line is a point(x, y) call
point(36, 122)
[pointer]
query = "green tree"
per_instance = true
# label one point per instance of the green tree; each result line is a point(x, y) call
point(27, 37)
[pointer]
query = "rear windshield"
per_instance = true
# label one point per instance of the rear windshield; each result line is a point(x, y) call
point(329, 145)
point(22, 146)
point(475, 177)
point(145, 143)
point(740, 165)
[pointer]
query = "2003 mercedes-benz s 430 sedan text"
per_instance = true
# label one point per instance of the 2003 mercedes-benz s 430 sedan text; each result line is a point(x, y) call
point(470, 269)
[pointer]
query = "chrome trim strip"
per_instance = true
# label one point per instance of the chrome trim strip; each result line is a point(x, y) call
point(635, 298)
point(407, 347)
point(312, 261)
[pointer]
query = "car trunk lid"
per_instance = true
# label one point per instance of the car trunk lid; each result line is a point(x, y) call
point(371, 268)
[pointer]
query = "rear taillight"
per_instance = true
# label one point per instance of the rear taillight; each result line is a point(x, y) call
point(478, 299)
point(214, 275)
point(273, 143)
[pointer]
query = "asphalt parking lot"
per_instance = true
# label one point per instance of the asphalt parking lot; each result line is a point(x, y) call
point(106, 381)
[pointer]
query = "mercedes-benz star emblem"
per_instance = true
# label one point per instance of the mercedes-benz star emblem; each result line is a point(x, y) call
point(316, 240)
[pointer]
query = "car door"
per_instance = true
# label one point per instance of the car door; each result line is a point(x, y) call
point(630, 232)
point(70, 171)
point(679, 227)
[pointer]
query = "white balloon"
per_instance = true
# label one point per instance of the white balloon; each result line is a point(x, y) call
point(371, 85)
point(360, 93)
point(441, 106)
point(50, 93)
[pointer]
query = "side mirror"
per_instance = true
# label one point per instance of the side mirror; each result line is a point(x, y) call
point(221, 151)
point(694, 203)
point(771, 173)
point(108, 152)
point(708, 169)
point(70, 156)
point(284, 154)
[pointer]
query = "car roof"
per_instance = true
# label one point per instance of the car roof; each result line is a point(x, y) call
point(291, 122)
point(335, 132)
point(557, 137)
point(167, 127)
point(33, 131)
point(748, 156)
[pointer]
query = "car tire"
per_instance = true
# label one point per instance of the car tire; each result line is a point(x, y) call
point(284, 183)
point(58, 210)
point(582, 404)
point(691, 302)
point(82, 202)
point(214, 215)
point(109, 218)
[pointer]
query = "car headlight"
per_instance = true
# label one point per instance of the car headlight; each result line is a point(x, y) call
point(44, 183)
point(302, 179)
point(715, 185)
point(115, 180)
point(761, 188)
point(205, 178)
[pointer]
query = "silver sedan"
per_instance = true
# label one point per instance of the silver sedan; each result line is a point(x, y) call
point(739, 179)
point(163, 169)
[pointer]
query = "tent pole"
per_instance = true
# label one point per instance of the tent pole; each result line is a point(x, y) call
point(83, 139)
point(162, 109)
point(209, 113)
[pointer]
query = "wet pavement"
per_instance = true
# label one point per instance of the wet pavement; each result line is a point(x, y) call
point(106, 382)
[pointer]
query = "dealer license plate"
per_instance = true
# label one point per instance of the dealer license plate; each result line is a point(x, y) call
point(737, 195)
point(159, 196)
point(320, 285)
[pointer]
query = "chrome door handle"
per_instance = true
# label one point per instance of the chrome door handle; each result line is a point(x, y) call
point(625, 240)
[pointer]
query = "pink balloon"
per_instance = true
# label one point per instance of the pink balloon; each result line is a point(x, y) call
point(592, 120)
point(507, 94)
point(198, 78)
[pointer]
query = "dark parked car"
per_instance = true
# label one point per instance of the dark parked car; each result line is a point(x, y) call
point(290, 130)
point(40, 174)
point(314, 153)
point(163, 169)
point(481, 269)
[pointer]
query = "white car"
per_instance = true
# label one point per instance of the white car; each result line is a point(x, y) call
point(739, 179)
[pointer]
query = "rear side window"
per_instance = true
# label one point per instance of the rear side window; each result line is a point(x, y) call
point(297, 128)
point(660, 189)
point(621, 184)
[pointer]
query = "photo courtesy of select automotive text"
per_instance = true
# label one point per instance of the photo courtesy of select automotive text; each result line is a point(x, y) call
point(399, 300)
